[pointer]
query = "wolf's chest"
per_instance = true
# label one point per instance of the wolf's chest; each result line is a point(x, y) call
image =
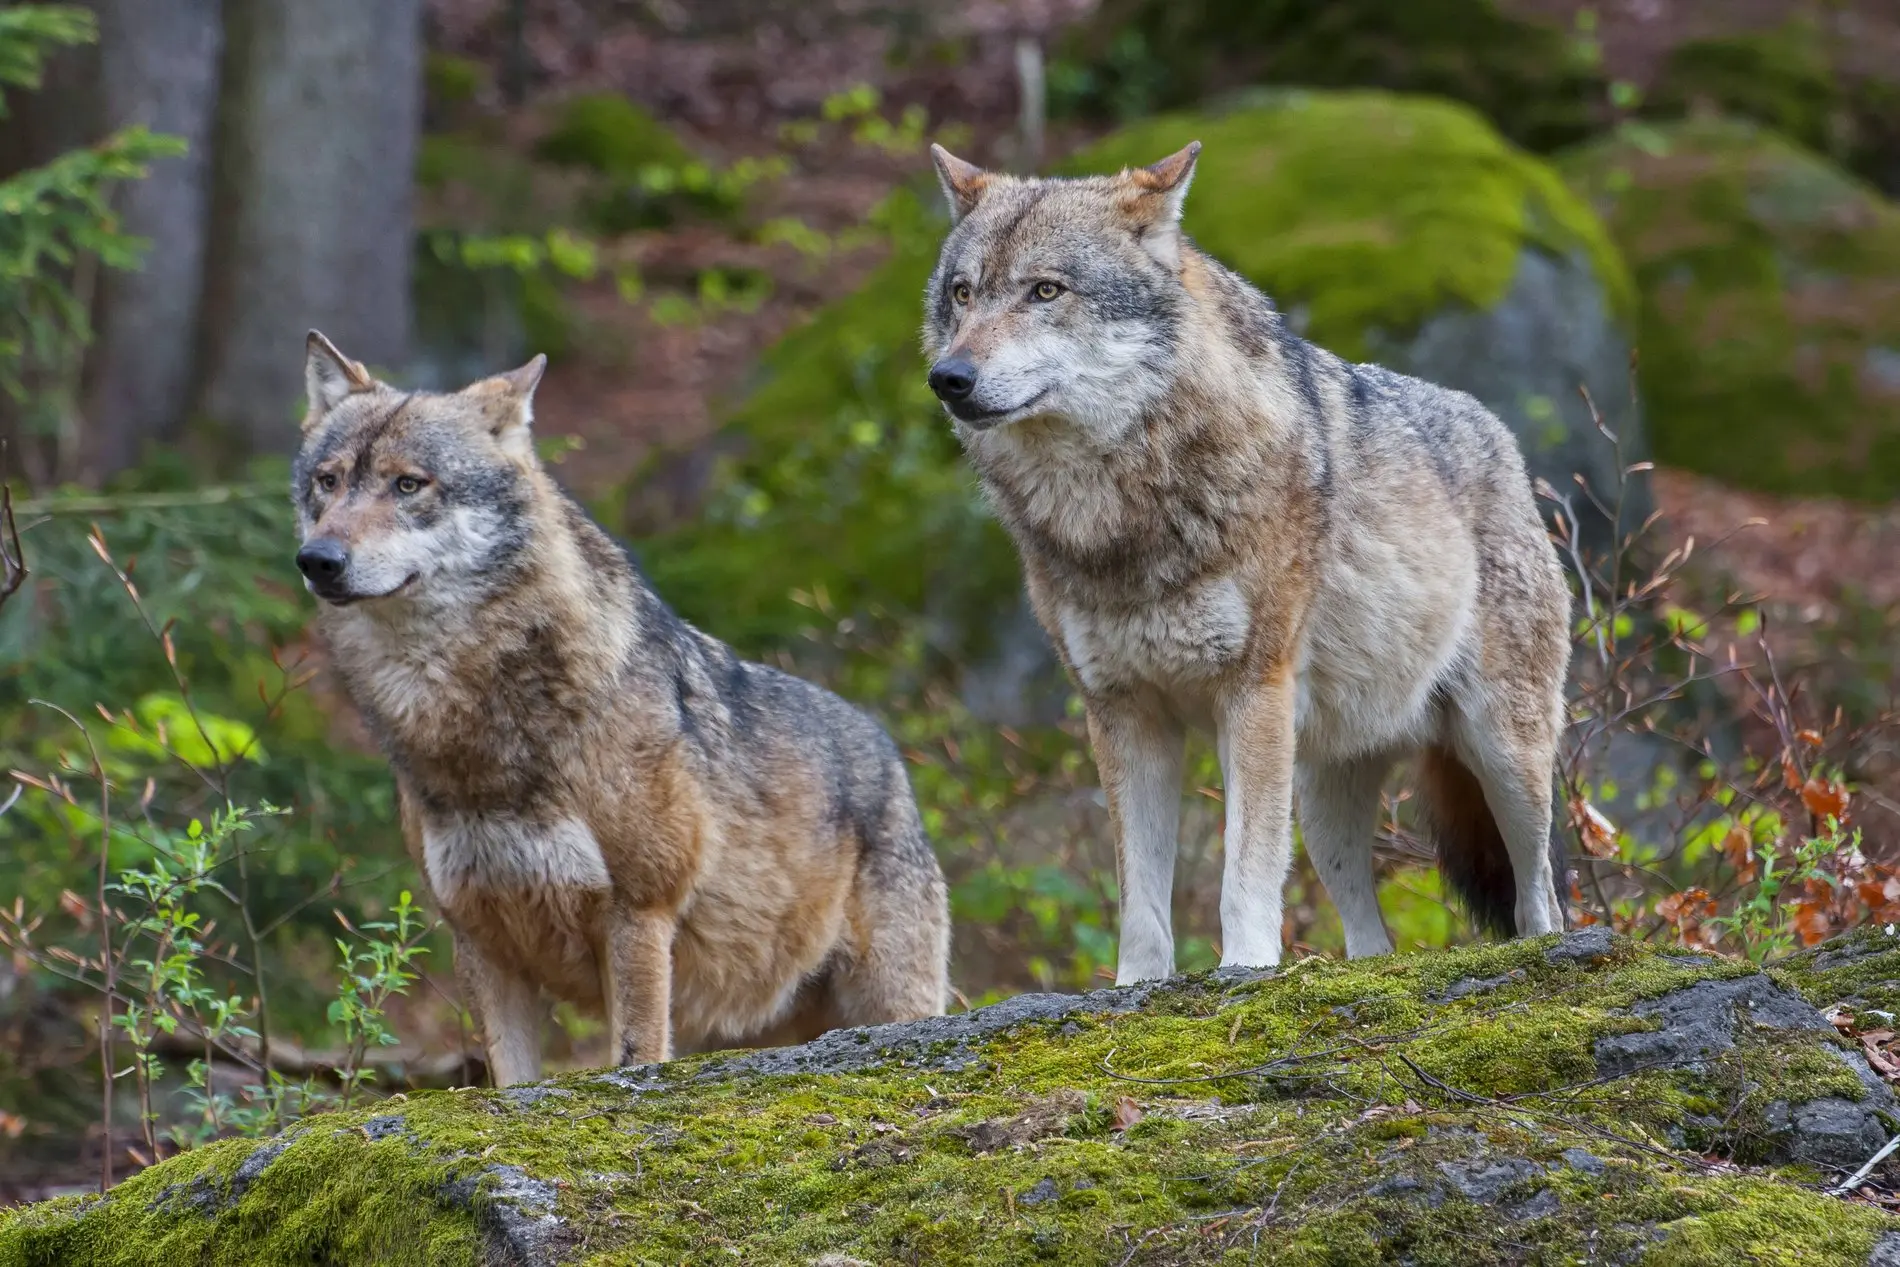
point(499, 854)
point(1182, 639)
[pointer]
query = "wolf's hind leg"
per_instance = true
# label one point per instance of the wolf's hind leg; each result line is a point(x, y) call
point(1513, 762)
point(1339, 811)
point(899, 970)
point(1140, 754)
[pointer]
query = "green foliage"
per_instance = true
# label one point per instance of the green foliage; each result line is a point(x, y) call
point(55, 221)
point(1795, 79)
point(467, 283)
point(1763, 920)
point(606, 133)
point(1535, 83)
point(1781, 79)
point(50, 218)
point(161, 945)
point(212, 570)
point(849, 489)
point(148, 945)
point(451, 84)
point(1770, 291)
point(29, 32)
point(649, 178)
point(370, 969)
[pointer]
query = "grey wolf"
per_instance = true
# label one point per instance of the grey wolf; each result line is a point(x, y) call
point(1327, 565)
point(605, 804)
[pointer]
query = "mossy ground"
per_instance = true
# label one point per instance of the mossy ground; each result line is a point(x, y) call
point(1362, 211)
point(1335, 1113)
point(1770, 306)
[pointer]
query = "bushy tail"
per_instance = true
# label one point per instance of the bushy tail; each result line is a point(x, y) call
point(1472, 859)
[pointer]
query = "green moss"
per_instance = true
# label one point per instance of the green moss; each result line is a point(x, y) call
point(1770, 306)
point(1861, 969)
point(1339, 1153)
point(1364, 210)
point(1535, 84)
point(1369, 210)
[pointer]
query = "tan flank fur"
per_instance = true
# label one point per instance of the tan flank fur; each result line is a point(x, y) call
point(1329, 566)
point(606, 805)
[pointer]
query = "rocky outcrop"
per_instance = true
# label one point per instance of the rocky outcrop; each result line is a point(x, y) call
point(1574, 1099)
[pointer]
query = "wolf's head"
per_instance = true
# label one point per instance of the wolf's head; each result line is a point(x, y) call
point(1057, 297)
point(411, 494)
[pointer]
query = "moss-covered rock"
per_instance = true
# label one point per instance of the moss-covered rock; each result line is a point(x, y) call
point(1535, 83)
point(1770, 324)
point(1393, 227)
point(1549, 1101)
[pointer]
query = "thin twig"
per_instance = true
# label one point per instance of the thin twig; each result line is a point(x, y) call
point(1853, 1181)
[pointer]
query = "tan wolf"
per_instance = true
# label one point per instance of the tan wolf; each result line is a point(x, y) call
point(605, 803)
point(1330, 566)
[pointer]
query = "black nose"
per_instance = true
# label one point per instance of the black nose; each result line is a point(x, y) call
point(953, 378)
point(323, 560)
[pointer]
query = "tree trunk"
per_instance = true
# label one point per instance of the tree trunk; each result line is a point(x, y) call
point(158, 66)
point(311, 223)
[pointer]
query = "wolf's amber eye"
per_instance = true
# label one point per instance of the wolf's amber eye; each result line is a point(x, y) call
point(960, 292)
point(407, 484)
point(1044, 291)
point(327, 481)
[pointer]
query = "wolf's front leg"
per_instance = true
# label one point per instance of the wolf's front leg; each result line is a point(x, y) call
point(1256, 755)
point(507, 1009)
point(639, 985)
point(1139, 753)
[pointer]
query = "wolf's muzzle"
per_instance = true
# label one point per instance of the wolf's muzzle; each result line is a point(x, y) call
point(323, 562)
point(953, 379)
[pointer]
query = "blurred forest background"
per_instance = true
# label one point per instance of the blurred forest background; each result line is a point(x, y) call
point(1659, 237)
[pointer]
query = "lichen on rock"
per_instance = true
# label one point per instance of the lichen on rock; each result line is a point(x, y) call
point(1325, 1113)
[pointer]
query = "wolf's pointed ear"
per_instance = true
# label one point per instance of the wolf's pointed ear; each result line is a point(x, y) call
point(1161, 191)
point(963, 183)
point(508, 403)
point(328, 376)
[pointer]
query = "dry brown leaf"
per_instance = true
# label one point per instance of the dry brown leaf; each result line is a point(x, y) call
point(1597, 832)
point(1825, 798)
point(1126, 1113)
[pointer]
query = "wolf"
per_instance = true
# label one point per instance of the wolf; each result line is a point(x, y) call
point(604, 803)
point(1329, 566)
